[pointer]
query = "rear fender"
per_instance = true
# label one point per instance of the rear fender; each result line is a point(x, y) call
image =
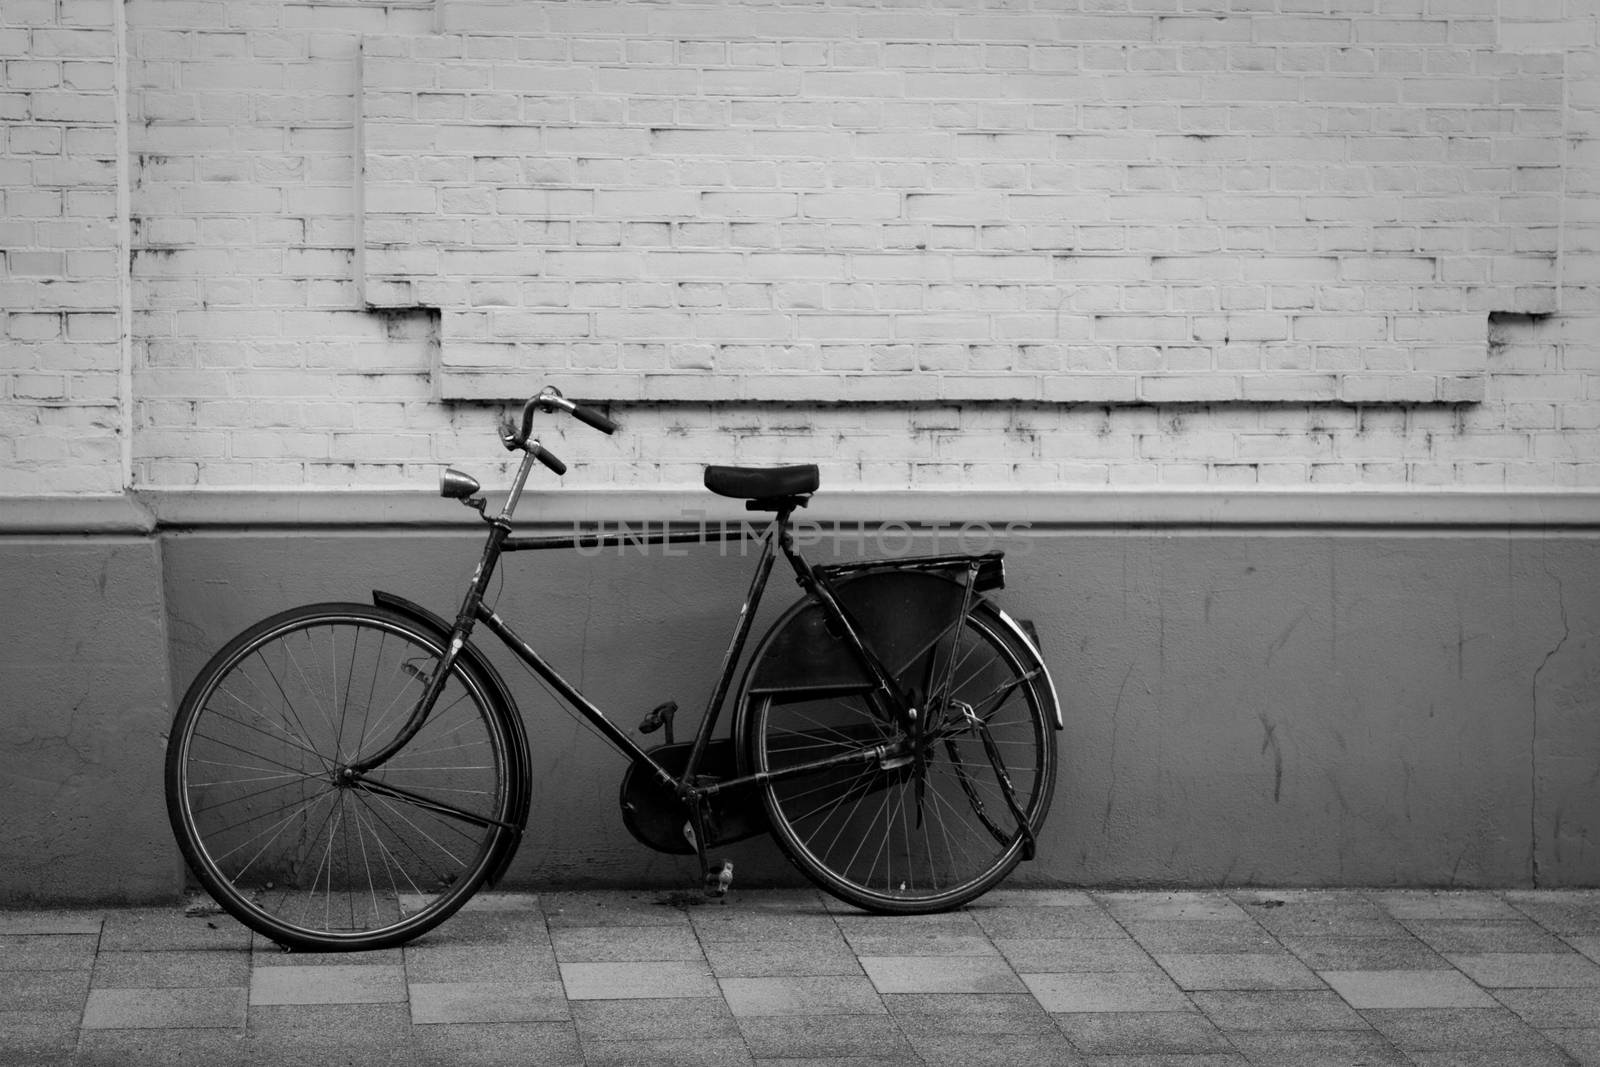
point(512, 718)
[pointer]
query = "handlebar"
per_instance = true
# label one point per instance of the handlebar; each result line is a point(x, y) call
point(549, 398)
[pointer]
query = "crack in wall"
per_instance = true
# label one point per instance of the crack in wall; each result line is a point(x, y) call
point(1533, 741)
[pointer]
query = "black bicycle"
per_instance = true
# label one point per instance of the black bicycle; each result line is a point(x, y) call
point(344, 776)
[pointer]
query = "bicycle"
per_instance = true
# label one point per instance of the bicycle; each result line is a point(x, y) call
point(344, 776)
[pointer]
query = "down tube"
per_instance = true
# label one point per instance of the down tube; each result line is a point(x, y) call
point(579, 703)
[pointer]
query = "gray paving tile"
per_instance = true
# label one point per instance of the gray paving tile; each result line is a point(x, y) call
point(1324, 916)
point(1588, 945)
point(1238, 970)
point(941, 974)
point(37, 1036)
point(637, 1020)
point(327, 984)
point(1317, 1048)
point(123, 1009)
point(922, 943)
point(1201, 935)
point(487, 1002)
point(466, 963)
point(1520, 935)
point(166, 929)
point(1082, 954)
point(998, 1050)
point(1365, 954)
point(1553, 1008)
point(171, 969)
point(771, 959)
point(548, 1044)
point(1143, 1033)
point(619, 944)
point(266, 954)
point(1441, 904)
point(47, 952)
point(1581, 1043)
point(608, 908)
point(1407, 989)
point(1106, 991)
point(505, 926)
point(762, 924)
point(1561, 911)
point(44, 990)
point(961, 1013)
point(1141, 907)
point(833, 995)
point(1278, 1010)
point(1047, 922)
point(61, 921)
point(1167, 1059)
point(1496, 970)
point(636, 981)
point(1550, 1056)
point(1013, 895)
point(365, 1035)
point(666, 1052)
point(169, 1048)
point(1455, 1029)
point(788, 1038)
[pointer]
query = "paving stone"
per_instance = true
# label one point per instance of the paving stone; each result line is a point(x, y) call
point(266, 954)
point(757, 959)
point(720, 925)
point(505, 926)
point(171, 969)
point(921, 943)
point(941, 974)
point(961, 1013)
point(122, 1009)
point(832, 995)
point(1186, 936)
point(1237, 970)
point(169, 1048)
point(1588, 945)
point(167, 929)
point(1106, 992)
point(637, 1020)
point(1581, 1043)
point(1166, 1059)
point(685, 1052)
point(365, 1035)
point(633, 981)
point(858, 928)
point(548, 1044)
point(47, 952)
point(467, 963)
point(29, 1036)
point(325, 984)
point(1561, 911)
point(1550, 1056)
point(1137, 907)
point(13, 923)
point(1497, 970)
point(1069, 954)
point(46, 991)
point(1407, 989)
point(1278, 1010)
point(1455, 1029)
point(487, 1002)
point(1365, 954)
point(999, 1050)
point(1335, 917)
point(1138, 1033)
point(609, 908)
point(620, 944)
point(1021, 896)
point(1521, 935)
point(1553, 1008)
point(1033, 922)
point(788, 1038)
point(1318, 1048)
point(1439, 904)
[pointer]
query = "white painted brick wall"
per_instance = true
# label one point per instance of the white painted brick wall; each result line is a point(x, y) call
point(1042, 248)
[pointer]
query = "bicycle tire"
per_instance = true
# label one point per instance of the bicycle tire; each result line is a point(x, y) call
point(276, 835)
point(868, 833)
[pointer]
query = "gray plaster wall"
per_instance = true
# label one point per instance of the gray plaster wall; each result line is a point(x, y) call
point(1269, 705)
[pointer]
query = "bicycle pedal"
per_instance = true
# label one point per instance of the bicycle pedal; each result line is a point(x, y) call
point(718, 881)
point(660, 716)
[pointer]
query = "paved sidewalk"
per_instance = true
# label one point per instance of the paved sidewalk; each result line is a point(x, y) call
point(1023, 978)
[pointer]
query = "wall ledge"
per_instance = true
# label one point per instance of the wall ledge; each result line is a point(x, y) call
point(145, 512)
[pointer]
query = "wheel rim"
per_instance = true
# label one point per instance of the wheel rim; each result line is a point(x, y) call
point(871, 833)
point(280, 828)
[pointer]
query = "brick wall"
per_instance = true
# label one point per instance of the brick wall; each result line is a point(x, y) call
point(1041, 247)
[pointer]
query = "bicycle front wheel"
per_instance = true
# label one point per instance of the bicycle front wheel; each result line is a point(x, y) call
point(904, 822)
point(273, 822)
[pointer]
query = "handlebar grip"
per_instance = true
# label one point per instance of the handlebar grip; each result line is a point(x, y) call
point(548, 458)
point(591, 417)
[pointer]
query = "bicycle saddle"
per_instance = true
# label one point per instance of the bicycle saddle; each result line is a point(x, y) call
point(763, 483)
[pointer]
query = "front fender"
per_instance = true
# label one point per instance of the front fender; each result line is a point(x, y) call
point(477, 661)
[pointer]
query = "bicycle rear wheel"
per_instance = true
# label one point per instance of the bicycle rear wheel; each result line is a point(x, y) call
point(931, 822)
point(277, 830)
